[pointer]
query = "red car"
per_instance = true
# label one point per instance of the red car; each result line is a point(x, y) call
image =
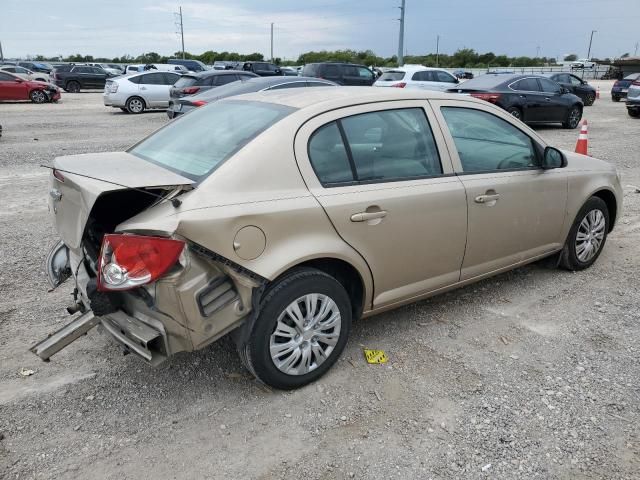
point(16, 88)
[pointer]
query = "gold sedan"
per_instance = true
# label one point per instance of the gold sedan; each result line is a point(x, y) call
point(284, 216)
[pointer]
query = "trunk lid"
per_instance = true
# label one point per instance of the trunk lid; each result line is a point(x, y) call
point(72, 197)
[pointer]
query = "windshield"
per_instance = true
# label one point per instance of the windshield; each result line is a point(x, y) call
point(391, 76)
point(198, 143)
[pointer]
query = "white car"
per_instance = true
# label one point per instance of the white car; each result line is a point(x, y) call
point(157, 67)
point(417, 76)
point(139, 92)
point(26, 73)
point(583, 63)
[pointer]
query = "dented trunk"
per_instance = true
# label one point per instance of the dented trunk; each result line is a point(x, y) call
point(202, 297)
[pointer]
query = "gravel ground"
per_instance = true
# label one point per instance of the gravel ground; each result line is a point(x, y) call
point(531, 374)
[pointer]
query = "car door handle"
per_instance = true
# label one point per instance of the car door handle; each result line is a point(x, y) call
point(487, 198)
point(365, 216)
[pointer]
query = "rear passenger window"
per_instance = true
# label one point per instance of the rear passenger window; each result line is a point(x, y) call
point(419, 77)
point(152, 79)
point(526, 85)
point(380, 146)
point(444, 77)
point(328, 155)
point(224, 79)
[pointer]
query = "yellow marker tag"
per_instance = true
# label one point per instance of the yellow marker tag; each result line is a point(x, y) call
point(375, 356)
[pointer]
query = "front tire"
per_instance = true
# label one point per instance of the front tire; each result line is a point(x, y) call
point(590, 99)
point(615, 98)
point(135, 105)
point(38, 96)
point(302, 328)
point(574, 115)
point(587, 236)
point(633, 112)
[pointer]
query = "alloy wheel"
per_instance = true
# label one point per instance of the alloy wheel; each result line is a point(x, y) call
point(574, 117)
point(136, 105)
point(305, 334)
point(38, 96)
point(590, 235)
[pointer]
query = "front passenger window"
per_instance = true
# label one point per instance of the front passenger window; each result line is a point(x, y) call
point(487, 143)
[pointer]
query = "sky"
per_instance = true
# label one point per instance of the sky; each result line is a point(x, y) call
point(113, 28)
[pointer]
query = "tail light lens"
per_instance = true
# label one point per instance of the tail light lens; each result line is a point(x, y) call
point(198, 103)
point(112, 86)
point(58, 175)
point(190, 90)
point(636, 83)
point(489, 97)
point(399, 85)
point(128, 261)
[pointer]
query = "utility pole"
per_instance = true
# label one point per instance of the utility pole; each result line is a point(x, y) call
point(590, 41)
point(437, 49)
point(538, 51)
point(634, 53)
point(271, 42)
point(401, 36)
point(2, 55)
point(179, 24)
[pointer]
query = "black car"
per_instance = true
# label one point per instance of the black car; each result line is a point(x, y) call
point(262, 69)
point(530, 98)
point(340, 73)
point(463, 74)
point(621, 87)
point(183, 105)
point(36, 66)
point(191, 65)
point(193, 83)
point(72, 78)
point(575, 85)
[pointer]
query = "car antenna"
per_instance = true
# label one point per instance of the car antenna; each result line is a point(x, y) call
point(174, 201)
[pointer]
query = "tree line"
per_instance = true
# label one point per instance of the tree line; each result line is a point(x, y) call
point(462, 58)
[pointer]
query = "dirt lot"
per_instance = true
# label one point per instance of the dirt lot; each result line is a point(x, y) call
point(533, 374)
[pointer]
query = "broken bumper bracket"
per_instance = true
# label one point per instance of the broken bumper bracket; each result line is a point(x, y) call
point(66, 335)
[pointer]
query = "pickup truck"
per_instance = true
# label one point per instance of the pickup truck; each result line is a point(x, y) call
point(583, 63)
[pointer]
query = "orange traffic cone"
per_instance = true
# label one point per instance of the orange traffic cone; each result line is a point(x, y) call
point(598, 92)
point(581, 145)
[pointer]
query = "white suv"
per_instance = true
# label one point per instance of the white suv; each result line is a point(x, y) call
point(417, 76)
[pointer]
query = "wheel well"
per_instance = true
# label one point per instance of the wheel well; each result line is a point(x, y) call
point(610, 199)
point(348, 277)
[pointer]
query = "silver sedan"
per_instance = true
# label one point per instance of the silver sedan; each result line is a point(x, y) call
point(136, 93)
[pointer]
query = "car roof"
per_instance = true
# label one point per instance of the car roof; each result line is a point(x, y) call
point(330, 98)
point(213, 73)
point(251, 85)
point(416, 68)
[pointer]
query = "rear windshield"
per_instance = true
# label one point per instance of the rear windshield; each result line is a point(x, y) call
point(391, 76)
point(488, 80)
point(185, 81)
point(201, 141)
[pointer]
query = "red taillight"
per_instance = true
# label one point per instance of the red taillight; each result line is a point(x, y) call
point(198, 103)
point(128, 261)
point(489, 97)
point(190, 90)
point(636, 82)
point(58, 175)
point(399, 85)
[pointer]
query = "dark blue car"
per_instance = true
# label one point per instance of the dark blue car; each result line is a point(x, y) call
point(621, 87)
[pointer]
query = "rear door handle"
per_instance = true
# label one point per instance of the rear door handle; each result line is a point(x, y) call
point(487, 198)
point(365, 216)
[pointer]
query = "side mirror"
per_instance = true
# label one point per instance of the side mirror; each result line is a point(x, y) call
point(553, 158)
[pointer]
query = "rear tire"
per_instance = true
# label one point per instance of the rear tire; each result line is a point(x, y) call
point(574, 115)
point(615, 98)
point(38, 96)
point(73, 87)
point(590, 99)
point(587, 236)
point(135, 105)
point(635, 113)
point(321, 301)
point(515, 112)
